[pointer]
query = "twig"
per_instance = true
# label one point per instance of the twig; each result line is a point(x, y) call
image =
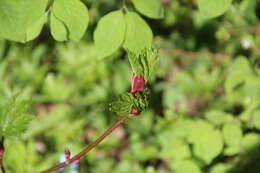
point(2, 149)
point(79, 156)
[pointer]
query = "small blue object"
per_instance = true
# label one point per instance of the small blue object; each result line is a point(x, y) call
point(73, 166)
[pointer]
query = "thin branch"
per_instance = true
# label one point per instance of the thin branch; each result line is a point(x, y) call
point(79, 156)
point(2, 149)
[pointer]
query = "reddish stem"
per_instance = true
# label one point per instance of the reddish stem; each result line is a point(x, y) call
point(79, 156)
point(2, 149)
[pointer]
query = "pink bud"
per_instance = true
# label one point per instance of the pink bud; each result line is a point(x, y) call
point(135, 112)
point(67, 154)
point(137, 84)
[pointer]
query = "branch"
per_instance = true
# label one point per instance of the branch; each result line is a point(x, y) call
point(79, 156)
point(2, 149)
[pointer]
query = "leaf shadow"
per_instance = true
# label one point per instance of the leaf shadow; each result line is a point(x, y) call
point(249, 162)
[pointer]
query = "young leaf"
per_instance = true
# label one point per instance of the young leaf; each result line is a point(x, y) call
point(213, 8)
point(58, 29)
point(74, 15)
point(13, 117)
point(123, 104)
point(141, 100)
point(144, 62)
point(17, 17)
point(149, 8)
point(110, 33)
point(127, 102)
point(138, 34)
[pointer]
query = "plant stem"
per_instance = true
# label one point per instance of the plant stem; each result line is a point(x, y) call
point(79, 156)
point(2, 149)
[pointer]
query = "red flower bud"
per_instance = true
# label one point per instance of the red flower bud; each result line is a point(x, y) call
point(137, 84)
point(67, 154)
point(135, 112)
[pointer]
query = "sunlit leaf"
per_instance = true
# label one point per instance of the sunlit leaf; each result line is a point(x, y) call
point(138, 34)
point(73, 14)
point(150, 8)
point(232, 134)
point(210, 9)
point(17, 17)
point(110, 33)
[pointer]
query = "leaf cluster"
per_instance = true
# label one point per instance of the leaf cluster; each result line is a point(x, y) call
point(127, 102)
point(14, 118)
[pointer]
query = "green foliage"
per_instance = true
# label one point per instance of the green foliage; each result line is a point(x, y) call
point(203, 113)
point(239, 72)
point(144, 63)
point(72, 17)
point(58, 29)
point(126, 102)
point(202, 135)
point(218, 117)
point(232, 134)
point(249, 141)
point(21, 20)
point(138, 34)
point(14, 118)
point(34, 30)
point(256, 119)
point(186, 166)
point(150, 8)
point(110, 33)
point(131, 31)
point(210, 9)
point(31, 163)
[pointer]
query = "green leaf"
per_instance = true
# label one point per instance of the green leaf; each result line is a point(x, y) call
point(238, 73)
point(217, 117)
point(210, 138)
point(58, 29)
point(185, 166)
point(13, 117)
point(220, 168)
point(202, 135)
point(138, 34)
point(149, 8)
point(213, 8)
point(109, 34)
point(232, 134)
point(18, 16)
point(35, 29)
point(126, 101)
point(256, 119)
point(174, 148)
point(196, 129)
point(182, 128)
point(74, 15)
point(250, 141)
point(123, 104)
point(144, 63)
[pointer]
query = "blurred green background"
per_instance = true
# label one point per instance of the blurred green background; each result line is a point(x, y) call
point(204, 115)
